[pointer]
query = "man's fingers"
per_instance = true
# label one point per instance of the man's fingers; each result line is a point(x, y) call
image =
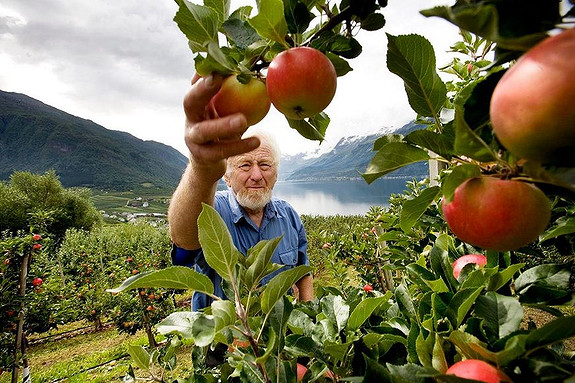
point(225, 128)
point(217, 151)
point(199, 96)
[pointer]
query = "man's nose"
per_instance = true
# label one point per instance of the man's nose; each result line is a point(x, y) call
point(256, 174)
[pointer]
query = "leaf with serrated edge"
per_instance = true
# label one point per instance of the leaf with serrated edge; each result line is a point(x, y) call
point(412, 58)
point(217, 244)
point(270, 21)
point(198, 23)
point(173, 277)
point(280, 284)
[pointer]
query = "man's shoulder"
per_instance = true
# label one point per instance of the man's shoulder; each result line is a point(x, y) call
point(283, 207)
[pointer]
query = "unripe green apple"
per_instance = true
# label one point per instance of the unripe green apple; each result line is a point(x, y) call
point(497, 214)
point(479, 259)
point(477, 370)
point(532, 107)
point(250, 99)
point(301, 82)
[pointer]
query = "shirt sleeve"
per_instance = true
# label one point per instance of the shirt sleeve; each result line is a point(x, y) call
point(183, 257)
point(302, 246)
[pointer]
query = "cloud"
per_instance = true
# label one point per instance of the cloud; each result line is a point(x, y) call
point(126, 65)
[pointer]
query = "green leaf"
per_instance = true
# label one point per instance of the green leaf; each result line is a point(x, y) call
point(386, 139)
point(240, 32)
point(502, 314)
point(336, 310)
point(501, 278)
point(427, 277)
point(441, 144)
point(140, 356)
point(258, 259)
point(461, 303)
point(221, 7)
point(313, 128)
point(180, 322)
point(217, 244)
point(297, 15)
point(563, 226)
point(224, 314)
point(544, 284)
point(412, 58)
point(470, 346)
point(405, 302)
point(555, 331)
point(280, 284)
point(458, 175)
point(414, 208)
point(173, 277)
point(407, 373)
point(438, 361)
point(467, 141)
point(216, 53)
point(364, 309)
point(203, 330)
point(523, 28)
point(200, 24)
point(392, 156)
point(270, 21)
point(373, 22)
point(341, 66)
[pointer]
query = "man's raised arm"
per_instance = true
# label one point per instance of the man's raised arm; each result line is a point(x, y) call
point(210, 140)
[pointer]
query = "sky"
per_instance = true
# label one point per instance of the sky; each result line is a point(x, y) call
point(126, 66)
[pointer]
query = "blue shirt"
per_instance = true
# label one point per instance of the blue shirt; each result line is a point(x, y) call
point(279, 218)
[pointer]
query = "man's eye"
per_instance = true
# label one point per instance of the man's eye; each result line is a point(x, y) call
point(265, 166)
point(245, 167)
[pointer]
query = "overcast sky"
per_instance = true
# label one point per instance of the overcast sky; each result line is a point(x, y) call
point(126, 66)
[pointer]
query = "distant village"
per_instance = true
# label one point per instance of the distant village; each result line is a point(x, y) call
point(153, 218)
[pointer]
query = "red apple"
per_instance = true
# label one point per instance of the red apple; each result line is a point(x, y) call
point(301, 82)
point(479, 259)
point(368, 288)
point(477, 370)
point(37, 281)
point(497, 214)
point(532, 105)
point(301, 370)
point(250, 99)
point(36, 237)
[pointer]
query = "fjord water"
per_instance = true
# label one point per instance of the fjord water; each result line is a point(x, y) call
point(349, 197)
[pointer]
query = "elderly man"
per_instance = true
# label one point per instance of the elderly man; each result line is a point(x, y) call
point(249, 166)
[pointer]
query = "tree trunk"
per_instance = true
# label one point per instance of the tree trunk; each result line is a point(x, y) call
point(20, 343)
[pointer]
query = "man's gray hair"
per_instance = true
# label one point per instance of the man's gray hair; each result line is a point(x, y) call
point(266, 138)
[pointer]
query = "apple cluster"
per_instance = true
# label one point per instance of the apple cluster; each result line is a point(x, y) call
point(532, 115)
point(300, 83)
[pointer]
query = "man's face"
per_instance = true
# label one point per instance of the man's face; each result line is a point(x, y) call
point(252, 177)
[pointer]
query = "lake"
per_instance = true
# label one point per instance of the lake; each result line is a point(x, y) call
point(338, 197)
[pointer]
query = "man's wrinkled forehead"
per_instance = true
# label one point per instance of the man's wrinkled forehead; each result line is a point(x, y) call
point(262, 152)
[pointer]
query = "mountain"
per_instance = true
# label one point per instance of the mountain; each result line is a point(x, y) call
point(346, 160)
point(36, 137)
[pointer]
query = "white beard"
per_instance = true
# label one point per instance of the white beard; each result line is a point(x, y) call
point(254, 200)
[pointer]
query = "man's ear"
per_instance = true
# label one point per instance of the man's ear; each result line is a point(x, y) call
point(227, 179)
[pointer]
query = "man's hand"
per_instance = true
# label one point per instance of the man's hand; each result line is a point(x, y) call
point(210, 138)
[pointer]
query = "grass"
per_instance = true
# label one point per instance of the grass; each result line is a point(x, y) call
point(88, 357)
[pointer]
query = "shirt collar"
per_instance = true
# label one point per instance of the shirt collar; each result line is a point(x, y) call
point(270, 210)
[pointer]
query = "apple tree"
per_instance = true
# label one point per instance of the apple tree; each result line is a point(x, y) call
point(432, 319)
